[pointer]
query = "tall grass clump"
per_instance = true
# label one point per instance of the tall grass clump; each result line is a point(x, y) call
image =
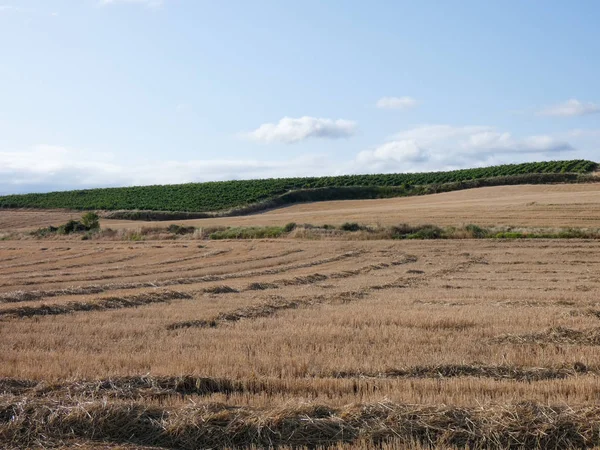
point(248, 233)
point(350, 226)
point(180, 229)
point(90, 220)
point(289, 227)
point(476, 231)
point(405, 231)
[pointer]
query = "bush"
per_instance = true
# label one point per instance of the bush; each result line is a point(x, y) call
point(43, 232)
point(427, 232)
point(476, 231)
point(573, 233)
point(180, 229)
point(405, 231)
point(248, 233)
point(72, 226)
point(402, 230)
point(289, 227)
point(350, 226)
point(90, 220)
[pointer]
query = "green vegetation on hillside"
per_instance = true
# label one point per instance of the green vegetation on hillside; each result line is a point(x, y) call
point(217, 196)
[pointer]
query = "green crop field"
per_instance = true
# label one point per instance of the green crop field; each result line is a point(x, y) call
point(218, 196)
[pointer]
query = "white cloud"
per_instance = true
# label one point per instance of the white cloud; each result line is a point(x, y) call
point(53, 165)
point(289, 130)
point(580, 132)
point(571, 108)
point(426, 134)
point(431, 147)
point(396, 102)
point(497, 142)
point(441, 147)
point(47, 168)
point(394, 153)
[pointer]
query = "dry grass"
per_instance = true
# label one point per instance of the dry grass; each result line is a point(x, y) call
point(347, 344)
point(104, 304)
point(29, 219)
point(523, 425)
point(267, 309)
point(555, 335)
point(148, 387)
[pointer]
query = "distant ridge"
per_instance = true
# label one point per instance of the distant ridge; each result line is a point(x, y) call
point(247, 196)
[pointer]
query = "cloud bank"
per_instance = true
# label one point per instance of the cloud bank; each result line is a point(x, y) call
point(49, 168)
point(425, 148)
point(290, 130)
point(441, 147)
point(571, 108)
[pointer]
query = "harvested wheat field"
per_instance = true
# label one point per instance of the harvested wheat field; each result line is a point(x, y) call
point(554, 205)
point(28, 219)
point(298, 343)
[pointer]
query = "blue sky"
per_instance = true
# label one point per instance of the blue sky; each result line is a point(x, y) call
point(130, 92)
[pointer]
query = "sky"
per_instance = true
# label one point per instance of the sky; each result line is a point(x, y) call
point(137, 92)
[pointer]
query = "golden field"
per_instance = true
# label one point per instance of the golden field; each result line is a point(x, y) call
point(321, 343)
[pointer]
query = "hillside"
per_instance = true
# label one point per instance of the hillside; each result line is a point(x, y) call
point(544, 206)
point(556, 205)
point(226, 195)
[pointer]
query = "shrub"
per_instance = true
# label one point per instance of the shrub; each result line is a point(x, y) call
point(402, 230)
point(476, 231)
point(289, 227)
point(72, 226)
point(427, 232)
point(90, 220)
point(405, 231)
point(573, 233)
point(248, 233)
point(180, 229)
point(43, 232)
point(350, 226)
point(509, 235)
point(135, 236)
